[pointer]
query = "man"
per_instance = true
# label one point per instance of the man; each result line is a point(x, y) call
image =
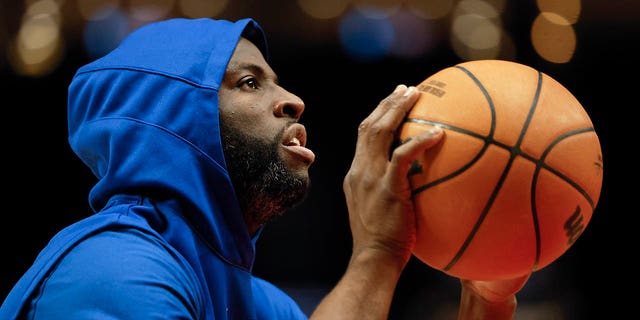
point(196, 147)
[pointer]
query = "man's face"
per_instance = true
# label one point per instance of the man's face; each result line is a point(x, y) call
point(263, 143)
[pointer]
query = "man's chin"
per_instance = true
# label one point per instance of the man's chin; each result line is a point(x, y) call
point(302, 175)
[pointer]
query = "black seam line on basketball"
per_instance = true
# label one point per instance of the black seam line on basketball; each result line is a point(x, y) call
point(497, 188)
point(514, 152)
point(534, 211)
point(536, 173)
point(460, 170)
point(541, 164)
point(483, 215)
point(487, 96)
point(488, 140)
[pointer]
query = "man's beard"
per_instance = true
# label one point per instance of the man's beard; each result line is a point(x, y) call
point(265, 187)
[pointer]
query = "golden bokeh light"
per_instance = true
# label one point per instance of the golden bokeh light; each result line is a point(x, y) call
point(44, 7)
point(202, 8)
point(476, 30)
point(553, 37)
point(475, 37)
point(568, 9)
point(38, 46)
point(476, 7)
point(323, 9)
point(435, 9)
point(150, 10)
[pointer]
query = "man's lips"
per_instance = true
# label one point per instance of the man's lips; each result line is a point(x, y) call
point(295, 141)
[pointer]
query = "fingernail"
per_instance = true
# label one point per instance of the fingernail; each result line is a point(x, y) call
point(435, 130)
point(400, 87)
point(409, 91)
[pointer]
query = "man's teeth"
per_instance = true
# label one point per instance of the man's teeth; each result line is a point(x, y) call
point(294, 142)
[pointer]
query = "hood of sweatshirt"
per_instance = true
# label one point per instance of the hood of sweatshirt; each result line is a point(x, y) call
point(144, 119)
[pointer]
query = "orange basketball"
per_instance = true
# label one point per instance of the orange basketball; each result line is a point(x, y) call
point(516, 178)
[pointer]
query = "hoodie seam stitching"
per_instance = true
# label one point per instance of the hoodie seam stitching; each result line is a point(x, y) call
point(150, 71)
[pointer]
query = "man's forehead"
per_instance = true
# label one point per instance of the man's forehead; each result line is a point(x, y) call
point(248, 48)
point(247, 56)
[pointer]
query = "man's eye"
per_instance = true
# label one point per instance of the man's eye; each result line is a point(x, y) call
point(251, 83)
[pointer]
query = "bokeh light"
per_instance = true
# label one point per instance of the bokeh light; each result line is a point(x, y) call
point(323, 9)
point(38, 47)
point(476, 30)
point(96, 9)
point(552, 33)
point(366, 30)
point(150, 10)
point(48, 8)
point(366, 34)
point(435, 9)
point(414, 36)
point(376, 9)
point(202, 8)
point(102, 36)
point(569, 9)
point(382, 5)
point(553, 37)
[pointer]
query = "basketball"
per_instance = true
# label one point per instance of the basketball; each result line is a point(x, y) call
point(516, 178)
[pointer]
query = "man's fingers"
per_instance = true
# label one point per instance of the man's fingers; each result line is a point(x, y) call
point(377, 133)
point(383, 106)
point(409, 151)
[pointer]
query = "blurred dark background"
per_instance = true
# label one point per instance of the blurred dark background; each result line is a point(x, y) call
point(342, 57)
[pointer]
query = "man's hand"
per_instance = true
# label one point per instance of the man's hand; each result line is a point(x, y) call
point(494, 300)
point(377, 189)
point(497, 290)
point(381, 212)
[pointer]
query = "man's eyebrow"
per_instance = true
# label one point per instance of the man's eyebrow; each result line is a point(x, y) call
point(254, 68)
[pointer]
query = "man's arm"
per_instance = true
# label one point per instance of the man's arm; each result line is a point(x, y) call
point(365, 290)
point(381, 212)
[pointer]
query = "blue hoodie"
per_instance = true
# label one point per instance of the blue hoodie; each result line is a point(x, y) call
point(168, 239)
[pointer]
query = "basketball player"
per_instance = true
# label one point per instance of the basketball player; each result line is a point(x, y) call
point(196, 147)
